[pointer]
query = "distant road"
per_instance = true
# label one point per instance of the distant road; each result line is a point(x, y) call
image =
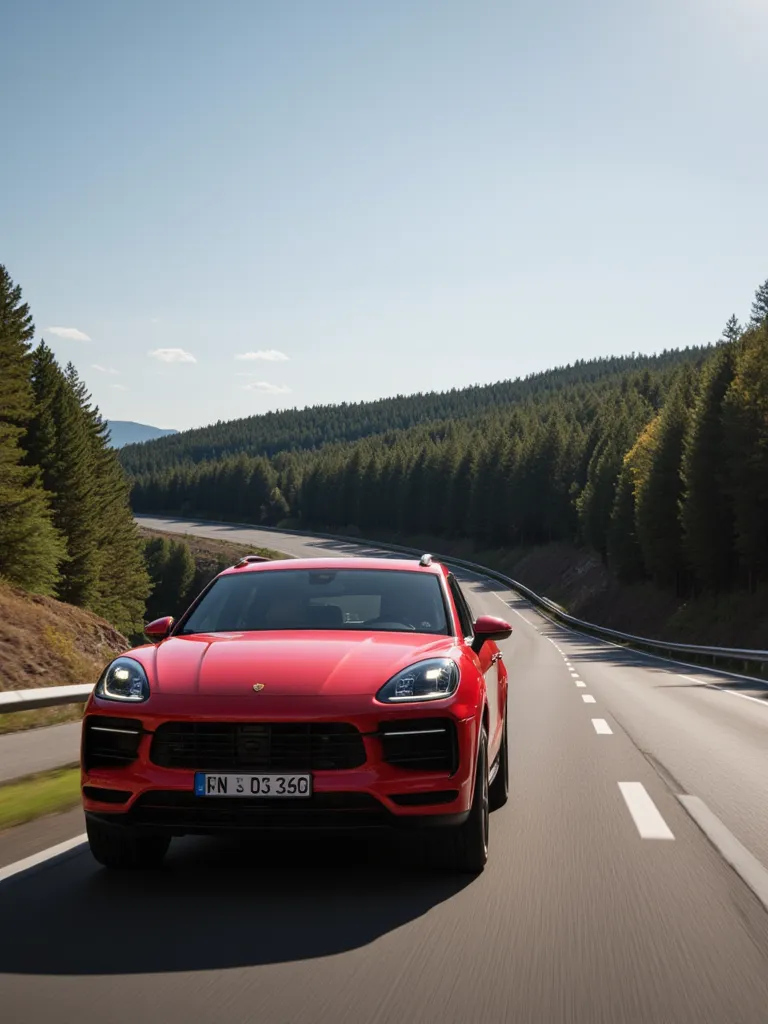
point(603, 902)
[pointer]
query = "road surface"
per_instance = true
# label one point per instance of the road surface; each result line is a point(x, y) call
point(603, 901)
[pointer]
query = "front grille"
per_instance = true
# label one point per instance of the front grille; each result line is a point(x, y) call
point(258, 746)
point(185, 812)
point(110, 742)
point(420, 744)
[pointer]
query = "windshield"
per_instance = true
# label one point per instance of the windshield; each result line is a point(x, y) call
point(350, 599)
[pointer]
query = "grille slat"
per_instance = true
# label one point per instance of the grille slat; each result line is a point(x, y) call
point(110, 742)
point(258, 746)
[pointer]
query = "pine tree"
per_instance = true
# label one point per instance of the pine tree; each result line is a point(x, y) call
point(659, 488)
point(58, 441)
point(759, 312)
point(122, 582)
point(30, 547)
point(707, 509)
point(745, 419)
point(732, 330)
point(624, 555)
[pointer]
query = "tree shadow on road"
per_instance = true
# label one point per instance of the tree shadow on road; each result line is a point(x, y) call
point(217, 904)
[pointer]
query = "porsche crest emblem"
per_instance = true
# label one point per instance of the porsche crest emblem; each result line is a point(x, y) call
point(258, 686)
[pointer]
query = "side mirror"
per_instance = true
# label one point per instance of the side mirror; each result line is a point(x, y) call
point(159, 629)
point(488, 627)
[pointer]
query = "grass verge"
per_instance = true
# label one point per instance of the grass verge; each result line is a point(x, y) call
point(19, 721)
point(35, 795)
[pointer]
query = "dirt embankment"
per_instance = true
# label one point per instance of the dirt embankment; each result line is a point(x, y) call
point(44, 642)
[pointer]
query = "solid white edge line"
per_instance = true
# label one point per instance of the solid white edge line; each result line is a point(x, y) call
point(40, 858)
point(744, 863)
point(588, 698)
point(724, 689)
point(509, 607)
point(645, 814)
point(601, 727)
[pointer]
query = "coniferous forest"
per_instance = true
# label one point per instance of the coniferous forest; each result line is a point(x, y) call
point(658, 463)
point(66, 527)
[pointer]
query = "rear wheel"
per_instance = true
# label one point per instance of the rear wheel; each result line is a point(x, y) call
point(499, 788)
point(468, 851)
point(124, 849)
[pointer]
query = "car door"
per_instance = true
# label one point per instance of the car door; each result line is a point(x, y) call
point(489, 657)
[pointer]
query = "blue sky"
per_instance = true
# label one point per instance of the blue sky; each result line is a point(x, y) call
point(397, 196)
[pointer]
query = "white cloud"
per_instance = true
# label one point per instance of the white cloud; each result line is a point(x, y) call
point(70, 333)
point(172, 355)
point(154, 319)
point(103, 369)
point(267, 389)
point(118, 387)
point(269, 355)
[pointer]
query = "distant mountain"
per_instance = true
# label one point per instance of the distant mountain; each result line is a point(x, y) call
point(126, 432)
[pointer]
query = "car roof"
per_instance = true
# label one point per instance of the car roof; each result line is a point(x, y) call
point(325, 564)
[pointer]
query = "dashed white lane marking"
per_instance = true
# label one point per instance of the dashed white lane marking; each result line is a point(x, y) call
point(40, 858)
point(601, 727)
point(738, 856)
point(588, 698)
point(579, 683)
point(645, 813)
point(574, 674)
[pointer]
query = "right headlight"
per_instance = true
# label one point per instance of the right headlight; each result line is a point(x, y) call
point(124, 680)
point(434, 679)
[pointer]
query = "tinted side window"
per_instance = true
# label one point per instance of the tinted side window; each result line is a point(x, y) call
point(465, 615)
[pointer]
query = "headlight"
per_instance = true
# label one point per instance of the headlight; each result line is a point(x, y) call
point(124, 679)
point(426, 680)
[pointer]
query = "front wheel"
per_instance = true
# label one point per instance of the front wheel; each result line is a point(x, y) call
point(124, 849)
point(468, 851)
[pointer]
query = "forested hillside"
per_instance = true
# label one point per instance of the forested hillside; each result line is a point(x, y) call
point(304, 429)
point(66, 528)
point(659, 464)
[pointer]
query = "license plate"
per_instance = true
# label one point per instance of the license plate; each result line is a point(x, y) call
point(253, 785)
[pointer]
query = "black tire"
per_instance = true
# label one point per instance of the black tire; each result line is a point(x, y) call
point(123, 849)
point(468, 850)
point(498, 793)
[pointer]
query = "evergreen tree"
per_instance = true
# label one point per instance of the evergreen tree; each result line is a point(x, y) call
point(759, 312)
point(745, 420)
point(624, 555)
point(30, 547)
point(707, 509)
point(122, 582)
point(58, 441)
point(732, 330)
point(659, 487)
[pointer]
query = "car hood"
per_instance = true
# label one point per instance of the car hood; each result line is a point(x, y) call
point(295, 663)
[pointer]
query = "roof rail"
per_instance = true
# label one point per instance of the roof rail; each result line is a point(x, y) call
point(249, 560)
point(425, 560)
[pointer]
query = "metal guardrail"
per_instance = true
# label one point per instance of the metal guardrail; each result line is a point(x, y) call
point(50, 696)
point(731, 655)
point(44, 697)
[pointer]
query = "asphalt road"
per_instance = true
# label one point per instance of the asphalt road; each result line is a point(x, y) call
point(603, 901)
point(37, 750)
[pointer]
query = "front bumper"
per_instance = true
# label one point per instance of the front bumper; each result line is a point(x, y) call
point(374, 794)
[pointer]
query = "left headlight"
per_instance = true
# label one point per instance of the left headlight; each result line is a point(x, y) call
point(124, 679)
point(434, 679)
